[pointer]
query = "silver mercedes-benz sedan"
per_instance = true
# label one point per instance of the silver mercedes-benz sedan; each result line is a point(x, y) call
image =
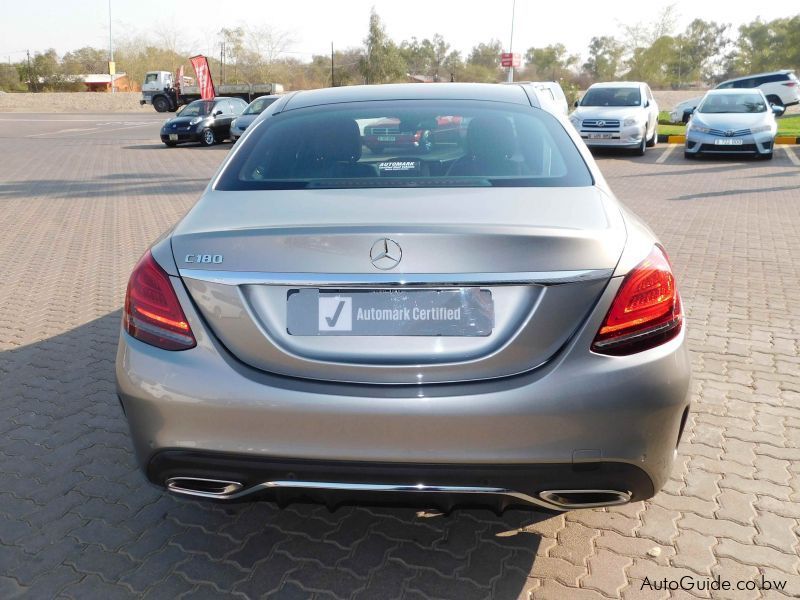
point(479, 324)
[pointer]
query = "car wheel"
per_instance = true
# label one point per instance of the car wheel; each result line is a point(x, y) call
point(654, 138)
point(207, 137)
point(773, 100)
point(171, 144)
point(161, 104)
point(425, 144)
point(642, 147)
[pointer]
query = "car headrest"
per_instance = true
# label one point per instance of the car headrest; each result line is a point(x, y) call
point(339, 140)
point(491, 137)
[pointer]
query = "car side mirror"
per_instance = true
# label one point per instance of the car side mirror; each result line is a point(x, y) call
point(216, 113)
point(688, 111)
point(577, 103)
point(778, 109)
point(647, 103)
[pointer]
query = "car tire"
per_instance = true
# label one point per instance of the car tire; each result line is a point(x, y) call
point(654, 138)
point(161, 104)
point(170, 144)
point(642, 147)
point(207, 137)
point(773, 100)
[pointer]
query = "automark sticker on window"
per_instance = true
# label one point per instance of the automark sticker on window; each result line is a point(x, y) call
point(398, 165)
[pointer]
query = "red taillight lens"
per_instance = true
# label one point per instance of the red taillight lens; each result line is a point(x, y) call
point(790, 83)
point(646, 311)
point(153, 313)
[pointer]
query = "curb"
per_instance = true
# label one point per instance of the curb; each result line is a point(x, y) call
point(680, 139)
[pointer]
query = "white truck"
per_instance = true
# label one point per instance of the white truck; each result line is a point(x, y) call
point(162, 90)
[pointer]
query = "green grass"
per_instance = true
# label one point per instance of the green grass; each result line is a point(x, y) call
point(789, 126)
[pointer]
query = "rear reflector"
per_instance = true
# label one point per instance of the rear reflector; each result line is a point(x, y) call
point(153, 313)
point(646, 311)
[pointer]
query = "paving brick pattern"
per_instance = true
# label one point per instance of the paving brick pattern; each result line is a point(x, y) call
point(77, 520)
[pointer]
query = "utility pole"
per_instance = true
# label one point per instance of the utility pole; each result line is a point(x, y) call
point(30, 78)
point(222, 62)
point(511, 41)
point(111, 67)
point(333, 83)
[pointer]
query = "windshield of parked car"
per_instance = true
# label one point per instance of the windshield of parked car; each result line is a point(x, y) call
point(412, 143)
point(733, 103)
point(610, 96)
point(198, 108)
point(258, 105)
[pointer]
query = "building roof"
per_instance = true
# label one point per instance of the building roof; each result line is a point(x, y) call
point(100, 77)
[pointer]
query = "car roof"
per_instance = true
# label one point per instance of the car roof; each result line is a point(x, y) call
point(753, 76)
point(490, 92)
point(733, 91)
point(621, 84)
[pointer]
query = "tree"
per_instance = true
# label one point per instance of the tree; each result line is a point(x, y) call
point(263, 45)
point(9, 78)
point(382, 62)
point(85, 60)
point(486, 55)
point(699, 50)
point(605, 58)
point(551, 62)
point(234, 51)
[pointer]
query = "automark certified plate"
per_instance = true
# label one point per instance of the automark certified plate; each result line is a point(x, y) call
point(462, 312)
point(728, 142)
point(600, 136)
point(173, 137)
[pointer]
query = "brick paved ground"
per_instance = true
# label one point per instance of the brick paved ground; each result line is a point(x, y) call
point(79, 202)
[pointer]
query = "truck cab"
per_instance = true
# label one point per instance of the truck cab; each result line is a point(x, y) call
point(158, 89)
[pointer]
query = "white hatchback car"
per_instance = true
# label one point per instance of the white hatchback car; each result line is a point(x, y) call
point(621, 114)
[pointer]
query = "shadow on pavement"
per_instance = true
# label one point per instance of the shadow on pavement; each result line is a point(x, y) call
point(77, 517)
point(115, 185)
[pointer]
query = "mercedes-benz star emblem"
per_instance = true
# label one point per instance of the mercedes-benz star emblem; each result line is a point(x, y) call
point(385, 254)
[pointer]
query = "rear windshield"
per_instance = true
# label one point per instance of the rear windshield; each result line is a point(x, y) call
point(608, 96)
point(406, 144)
point(733, 103)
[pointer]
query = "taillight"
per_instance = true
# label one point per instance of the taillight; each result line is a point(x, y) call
point(790, 83)
point(645, 312)
point(153, 313)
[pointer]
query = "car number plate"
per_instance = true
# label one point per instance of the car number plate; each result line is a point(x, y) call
point(386, 138)
point(173, 137)
point(462, 312)
point(727, 142)
point(600, 136)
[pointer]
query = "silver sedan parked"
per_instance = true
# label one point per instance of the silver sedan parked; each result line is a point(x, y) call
point(733, 122)
point(255, 108)
point(481, 324)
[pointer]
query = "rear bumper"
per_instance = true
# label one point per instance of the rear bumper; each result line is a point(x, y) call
point(442, 485)
point(581, 410)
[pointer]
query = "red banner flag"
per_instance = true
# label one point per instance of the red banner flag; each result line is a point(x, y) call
point(203, 72)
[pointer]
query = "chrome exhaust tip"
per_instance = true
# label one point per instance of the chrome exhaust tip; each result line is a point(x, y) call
point(204, 488)
point(568, 499)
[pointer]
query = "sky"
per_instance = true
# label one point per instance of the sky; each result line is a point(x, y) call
point(313, 24)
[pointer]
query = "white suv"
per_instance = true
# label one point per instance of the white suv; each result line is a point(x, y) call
point(619, 114)
point(781, 88)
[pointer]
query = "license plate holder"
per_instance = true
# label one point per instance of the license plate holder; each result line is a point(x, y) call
point(173, 137)
point(600, 136)
point(452, 312)
point(728, 142)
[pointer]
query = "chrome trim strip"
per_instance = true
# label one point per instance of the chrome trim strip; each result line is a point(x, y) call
point(367, 487)
point(392, 279)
